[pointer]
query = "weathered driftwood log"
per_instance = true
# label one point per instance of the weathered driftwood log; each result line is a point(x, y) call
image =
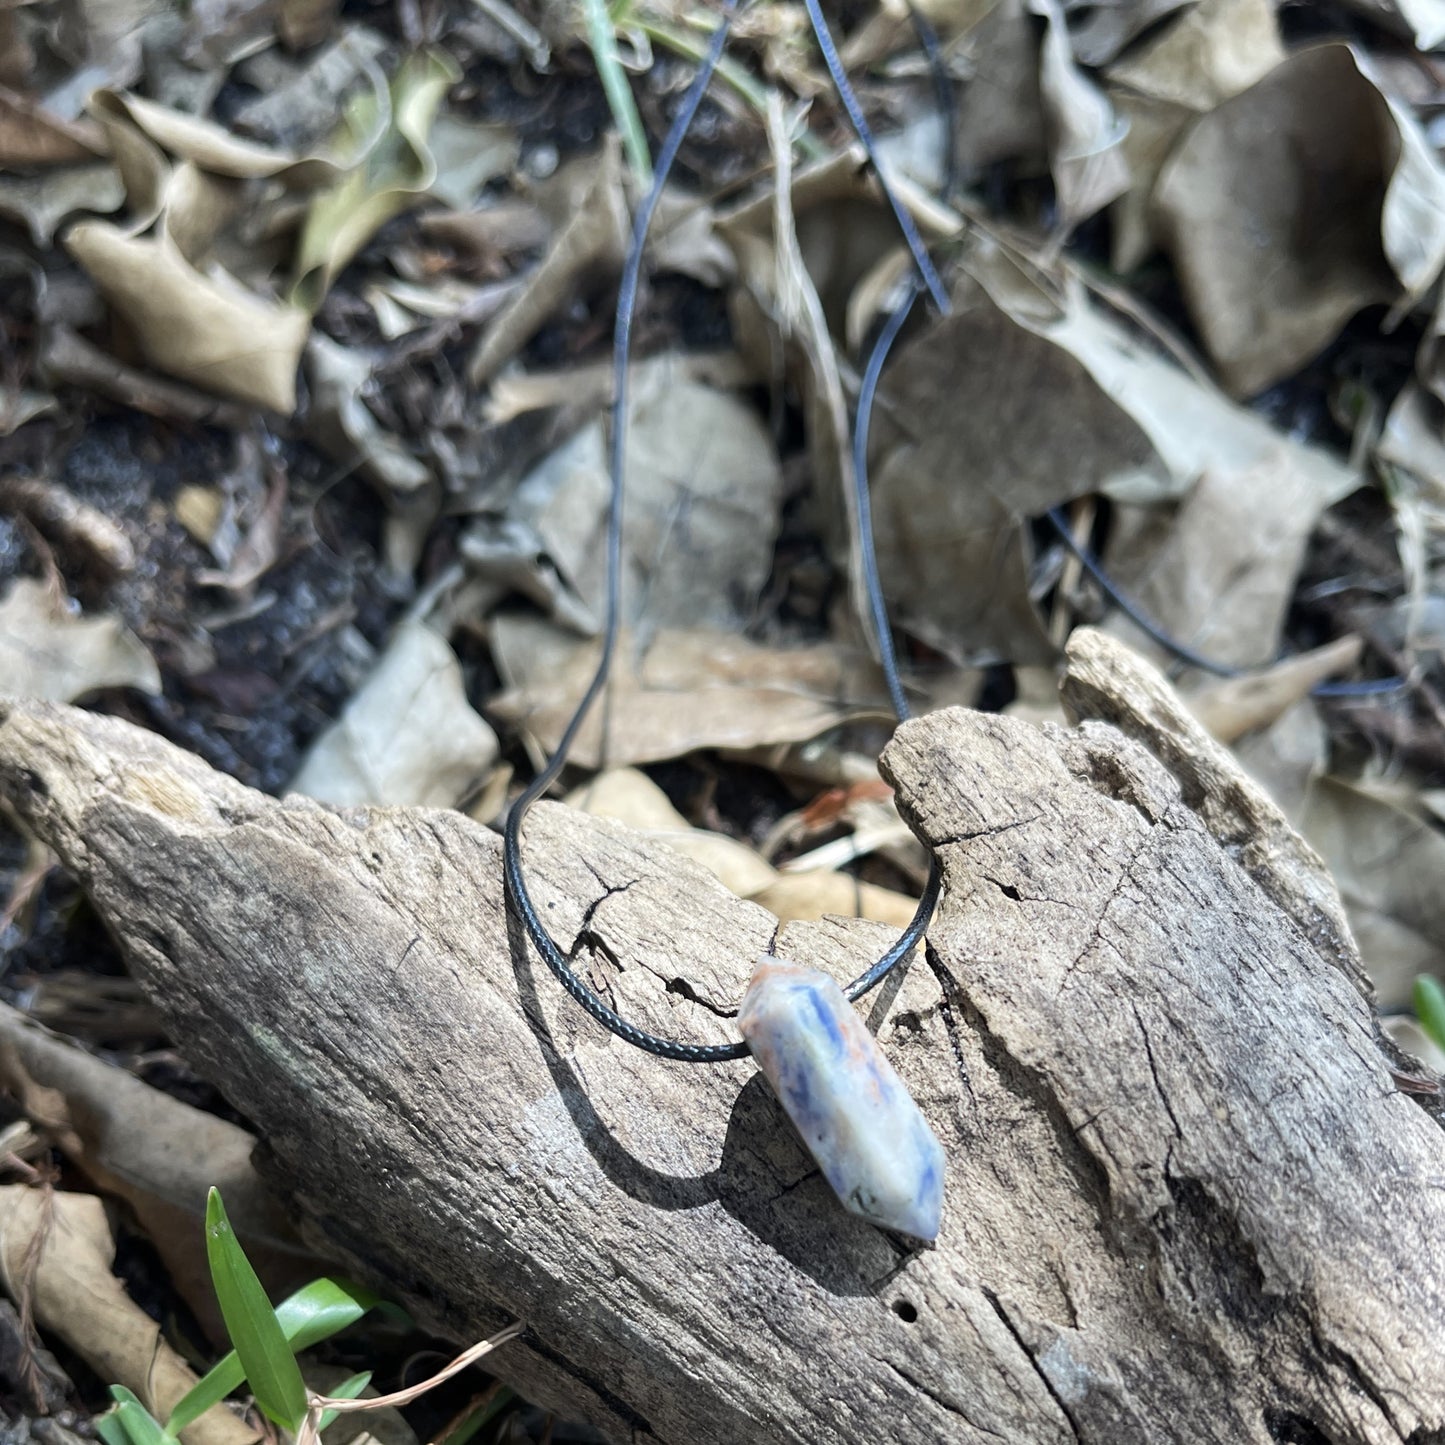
point(1186, 1198)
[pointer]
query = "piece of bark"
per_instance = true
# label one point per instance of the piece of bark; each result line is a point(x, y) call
point(1109, 682)
point(1185, 1200)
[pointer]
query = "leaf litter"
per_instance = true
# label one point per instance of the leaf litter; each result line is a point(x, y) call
point(305, 421)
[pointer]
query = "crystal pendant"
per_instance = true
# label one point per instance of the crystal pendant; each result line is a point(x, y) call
point(853, 1111)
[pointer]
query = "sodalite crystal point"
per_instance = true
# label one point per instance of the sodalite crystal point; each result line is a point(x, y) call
point(853, 1111)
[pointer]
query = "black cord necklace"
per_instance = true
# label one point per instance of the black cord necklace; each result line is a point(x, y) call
point(517, 892)
point(853, 1112)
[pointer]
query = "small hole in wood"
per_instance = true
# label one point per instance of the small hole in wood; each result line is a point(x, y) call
point(905, 1311)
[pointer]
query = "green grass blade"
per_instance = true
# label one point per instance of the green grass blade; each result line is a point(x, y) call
point(136, 1425)
point(1430, 1008)
point(314, 1313)
point(346, 1390)
point(111, 1429)
point(260, 1342)
point(603, 41)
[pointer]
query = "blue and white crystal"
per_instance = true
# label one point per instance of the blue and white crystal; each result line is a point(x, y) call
point(853, 1111)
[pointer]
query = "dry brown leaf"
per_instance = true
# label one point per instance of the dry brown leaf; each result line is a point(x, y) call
point(1233, 706)
point(297, 101)
point(968, 437)
point(631, 797)
point(209, 146)
point(628, 796)
point(42, 203)
point(106, 38)
point(342, 425)
point(305, 23)
point(1388, 862)
point(677, 691)
point(32, 135)
point(704, 492)
point(794, 896)
point(1422, 21)
point(817, 233)
point(1085, 136)
point(1212, 583)
point(1212, 51)
point(491, 234)
point(1413, 437)
point(408, 737)
point(466, 155)
point(1193, 427)
point(1293, 205)
point(1000, 110)
point(55, 1253)
point(203, 328)
point(981, 422)
point(161, 1156)
point(47, 651)
point(1100, 32)
point(21, 404)
point(17, 54)
point(592, 240)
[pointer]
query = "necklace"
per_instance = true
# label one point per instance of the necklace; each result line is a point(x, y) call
point(853, 1112)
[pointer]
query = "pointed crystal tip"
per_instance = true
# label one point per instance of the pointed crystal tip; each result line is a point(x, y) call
point(853, 1111)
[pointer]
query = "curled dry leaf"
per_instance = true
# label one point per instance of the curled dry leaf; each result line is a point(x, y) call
point(68, 358)
point(677, 691)
point(408, 736)
point(203, 328)
point(47, 651)
point(593, 239)
point(32, 135)
point(1085, 134)
point(968, 439)
point(1000, 111)
point(19, 405)
point(83, 530)
point(297, 100)
point(209, 146)
point(55, 1254)
point(1100, 32)
point(780, 306)
point(339, 421)
point(1293, 205)
point(466, 154)
point(1413, 437)
point(42, 203)
point(982, 422)
point(395, 170)
point(1230, 707)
